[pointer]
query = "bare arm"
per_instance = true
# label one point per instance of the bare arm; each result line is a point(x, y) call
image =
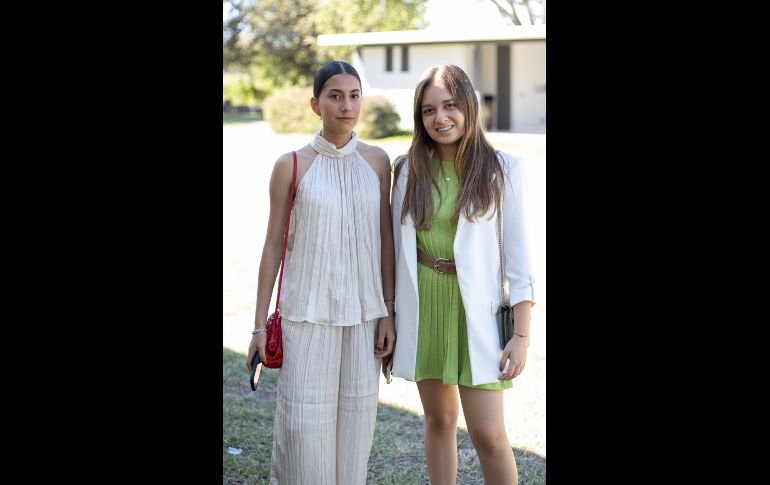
point(386, 237)
point(386, 333)
point(380, 162)
point(270, 263)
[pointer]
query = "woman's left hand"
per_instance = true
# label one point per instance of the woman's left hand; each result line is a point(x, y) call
point(515, 354)
point(386, 337)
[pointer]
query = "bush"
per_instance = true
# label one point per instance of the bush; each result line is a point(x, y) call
point(287, 110)
point(378, 118)
point(239, 90)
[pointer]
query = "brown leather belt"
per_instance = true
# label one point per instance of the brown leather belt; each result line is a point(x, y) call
point(439, 265)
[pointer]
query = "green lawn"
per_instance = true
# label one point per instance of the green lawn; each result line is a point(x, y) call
point(397, 456)
point(398, 138)
point(240, 117)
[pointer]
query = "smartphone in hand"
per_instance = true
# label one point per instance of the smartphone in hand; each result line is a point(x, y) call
point(387, 366)
point(256, 369)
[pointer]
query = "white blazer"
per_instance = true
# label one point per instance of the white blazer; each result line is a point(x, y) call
point(478, 272)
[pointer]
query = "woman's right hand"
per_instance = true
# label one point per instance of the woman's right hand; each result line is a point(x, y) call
point(258, 341)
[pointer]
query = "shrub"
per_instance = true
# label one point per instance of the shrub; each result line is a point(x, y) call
point(378, 118)
point(287, 110)
point(238, 90)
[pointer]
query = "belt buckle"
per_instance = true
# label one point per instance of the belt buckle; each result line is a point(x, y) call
point(437, 261)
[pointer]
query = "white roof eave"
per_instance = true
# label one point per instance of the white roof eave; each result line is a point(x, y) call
point(518, 32)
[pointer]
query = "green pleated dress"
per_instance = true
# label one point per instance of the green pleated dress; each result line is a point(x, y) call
point(442, 338)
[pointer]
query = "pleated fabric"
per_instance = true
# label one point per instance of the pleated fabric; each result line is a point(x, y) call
point(442, 336)
point(326, 404)
point(333, 255)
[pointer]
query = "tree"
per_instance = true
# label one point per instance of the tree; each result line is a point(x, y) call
point(344, 16)
point(535, 10)
point(233, 24)
point(274, 41)
point(275, 36)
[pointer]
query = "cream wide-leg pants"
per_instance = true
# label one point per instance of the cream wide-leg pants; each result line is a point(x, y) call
point(326, 404)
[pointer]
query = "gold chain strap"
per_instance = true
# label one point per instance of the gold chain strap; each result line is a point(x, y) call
point(500, 247)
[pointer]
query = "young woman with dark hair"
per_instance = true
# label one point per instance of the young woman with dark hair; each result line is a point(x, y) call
point(336, 298)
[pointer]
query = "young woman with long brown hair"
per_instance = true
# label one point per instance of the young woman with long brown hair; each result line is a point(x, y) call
point(445, 199)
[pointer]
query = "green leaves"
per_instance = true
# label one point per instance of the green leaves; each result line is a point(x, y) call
point(275, 40)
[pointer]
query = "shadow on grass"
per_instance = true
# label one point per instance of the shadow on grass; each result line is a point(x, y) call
point(397, 457)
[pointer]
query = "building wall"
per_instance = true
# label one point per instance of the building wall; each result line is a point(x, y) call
point(488, 82)
point(426, 56)
point(398, 86)
point(487, 85)
point(421, 57)
point(528, 86)
point(527, 89)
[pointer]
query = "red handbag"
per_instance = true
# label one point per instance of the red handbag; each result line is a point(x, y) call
point(274, 345)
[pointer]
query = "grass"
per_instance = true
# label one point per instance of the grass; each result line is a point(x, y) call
point(231, 118)
point(241, 117)
point(397, 456)
point(402, 137)
point(247, 421)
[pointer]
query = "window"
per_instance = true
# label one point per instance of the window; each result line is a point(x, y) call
point(388, 59)
point(404, 58)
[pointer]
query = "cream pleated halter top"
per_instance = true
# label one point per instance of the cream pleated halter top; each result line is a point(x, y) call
point(333, 254)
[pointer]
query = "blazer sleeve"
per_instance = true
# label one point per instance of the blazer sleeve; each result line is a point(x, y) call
point(396, 201)
point(518, 270)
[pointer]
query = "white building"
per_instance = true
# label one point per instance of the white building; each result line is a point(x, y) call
point(506, 66)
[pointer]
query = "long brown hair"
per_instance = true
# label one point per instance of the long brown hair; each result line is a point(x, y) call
point(475, 161)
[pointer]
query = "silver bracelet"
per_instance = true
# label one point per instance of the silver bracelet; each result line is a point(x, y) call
point(259, 330)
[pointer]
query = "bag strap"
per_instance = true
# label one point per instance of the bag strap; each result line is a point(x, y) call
point(500, 247)
point(500, 244)
point(286, 230)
